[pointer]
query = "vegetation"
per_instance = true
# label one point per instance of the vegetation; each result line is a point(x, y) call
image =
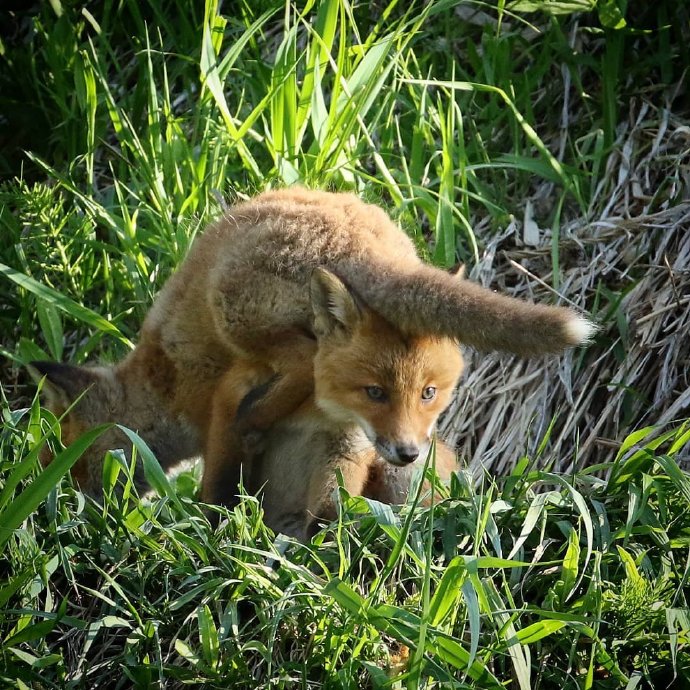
point(127, 125)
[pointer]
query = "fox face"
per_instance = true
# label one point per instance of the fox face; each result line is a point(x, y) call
point(368, 373)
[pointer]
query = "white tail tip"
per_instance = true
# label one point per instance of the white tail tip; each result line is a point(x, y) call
point(581, 330)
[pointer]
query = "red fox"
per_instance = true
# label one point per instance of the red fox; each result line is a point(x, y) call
point(371, 415)
point(268, 293)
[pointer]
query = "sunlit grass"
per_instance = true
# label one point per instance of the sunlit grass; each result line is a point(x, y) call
point(141, 121)
point(552, 582)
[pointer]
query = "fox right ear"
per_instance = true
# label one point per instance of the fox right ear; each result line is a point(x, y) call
point(334, 305)
point(63, 383)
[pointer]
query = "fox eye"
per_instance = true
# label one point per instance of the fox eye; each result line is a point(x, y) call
point(376, 393)
point(429, 393)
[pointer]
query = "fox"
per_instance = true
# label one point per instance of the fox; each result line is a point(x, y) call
point(259, 300)
point(371, 415)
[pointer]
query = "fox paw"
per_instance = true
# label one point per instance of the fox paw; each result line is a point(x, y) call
point(249, 411)
point(253, 443)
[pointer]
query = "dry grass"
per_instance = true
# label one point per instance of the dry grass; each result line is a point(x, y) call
point(638, 371)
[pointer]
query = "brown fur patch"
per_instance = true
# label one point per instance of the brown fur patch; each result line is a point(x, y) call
point(158, 368)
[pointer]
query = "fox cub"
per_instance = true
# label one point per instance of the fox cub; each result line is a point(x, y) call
point(371, 414)
point(298, 314)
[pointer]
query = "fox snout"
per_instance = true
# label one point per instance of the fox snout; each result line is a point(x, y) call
point(400, 454)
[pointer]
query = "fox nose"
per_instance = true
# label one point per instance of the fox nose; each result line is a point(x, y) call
point(407, 454)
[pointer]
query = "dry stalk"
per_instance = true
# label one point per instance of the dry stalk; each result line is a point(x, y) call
point(630, 264)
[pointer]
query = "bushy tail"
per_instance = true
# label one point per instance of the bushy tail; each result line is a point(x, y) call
point(429, 300)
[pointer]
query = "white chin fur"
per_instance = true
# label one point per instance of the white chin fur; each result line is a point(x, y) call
point(580, 329)
point(343, 415)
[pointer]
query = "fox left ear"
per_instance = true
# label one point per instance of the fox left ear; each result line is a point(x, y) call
point(458, 271)
point(334, 305)
point(63, 383)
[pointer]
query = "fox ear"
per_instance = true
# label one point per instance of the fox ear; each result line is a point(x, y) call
point(334, 305)
point(458, 271)
point(63, 383)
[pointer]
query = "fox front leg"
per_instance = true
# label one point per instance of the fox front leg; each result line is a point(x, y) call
point(250, 399)
point(225, 461)
point(321, 502)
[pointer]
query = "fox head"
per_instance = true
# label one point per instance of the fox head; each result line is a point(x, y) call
point(369, 373)
point(85, 397)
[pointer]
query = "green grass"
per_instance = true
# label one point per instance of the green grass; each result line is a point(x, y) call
point(549, 582)
point(126, 128)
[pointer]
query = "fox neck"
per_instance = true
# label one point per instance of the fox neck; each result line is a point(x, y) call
point(324, 435)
